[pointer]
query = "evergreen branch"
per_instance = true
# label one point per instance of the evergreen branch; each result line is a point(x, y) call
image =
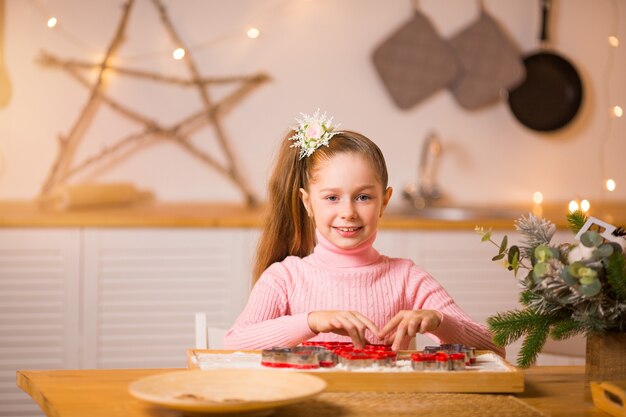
point(566, 328)
point(509, 326)
point(535, 339)
point(576, 220)
point(527, 297)
point(616, 275)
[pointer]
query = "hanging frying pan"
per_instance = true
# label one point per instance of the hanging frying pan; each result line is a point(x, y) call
point(551, 95)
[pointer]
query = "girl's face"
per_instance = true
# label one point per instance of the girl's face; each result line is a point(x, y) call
point(346, 199)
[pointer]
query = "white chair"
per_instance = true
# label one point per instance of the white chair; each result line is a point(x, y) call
point(208, 337)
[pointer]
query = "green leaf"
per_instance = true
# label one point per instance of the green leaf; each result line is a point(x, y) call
point(498, 257)
point(587, 275)
point(486, 236)
point(513, 254)
point(568, 278)
point(574, 269)
point(543, 253)
point(540, 270)
point(592, 289)
point(504, 244)
point(591, 239)
point(603, 251)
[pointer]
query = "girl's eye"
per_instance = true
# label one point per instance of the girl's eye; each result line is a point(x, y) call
point(363, 197)
point(332, 198)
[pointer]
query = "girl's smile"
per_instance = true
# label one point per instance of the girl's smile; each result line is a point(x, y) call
point(348, 231)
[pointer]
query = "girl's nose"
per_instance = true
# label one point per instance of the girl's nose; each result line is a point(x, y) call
point(348, 211)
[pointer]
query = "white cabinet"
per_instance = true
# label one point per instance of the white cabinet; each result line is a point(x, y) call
point(39, 308)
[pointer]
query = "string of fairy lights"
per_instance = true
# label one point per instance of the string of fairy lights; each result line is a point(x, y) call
point(614, 110)
point(177, 53)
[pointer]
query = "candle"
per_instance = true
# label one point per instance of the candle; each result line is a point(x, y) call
point(537, 200)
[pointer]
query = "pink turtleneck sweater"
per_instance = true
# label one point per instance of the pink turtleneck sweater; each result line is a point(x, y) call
point(358, 279)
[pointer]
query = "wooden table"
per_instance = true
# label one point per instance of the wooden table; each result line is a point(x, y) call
point(554, 390)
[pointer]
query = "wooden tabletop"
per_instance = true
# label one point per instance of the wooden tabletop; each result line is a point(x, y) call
point(554, 390)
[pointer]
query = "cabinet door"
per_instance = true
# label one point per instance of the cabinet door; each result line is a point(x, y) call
point(39, 308)
point(142, 288)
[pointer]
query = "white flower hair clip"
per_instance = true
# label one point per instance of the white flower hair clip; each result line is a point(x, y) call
point(312, 132)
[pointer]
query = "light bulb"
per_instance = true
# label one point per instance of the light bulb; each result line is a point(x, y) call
point(538, 197)
point(178, 53)
point(52, 22)
point(617, 111)
point(253, 33)
point(613, 41)
point(585, 205)
point(610, 184)
point(573, 205)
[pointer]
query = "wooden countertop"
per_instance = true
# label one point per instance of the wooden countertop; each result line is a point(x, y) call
point(21, 213)
point(557, 391)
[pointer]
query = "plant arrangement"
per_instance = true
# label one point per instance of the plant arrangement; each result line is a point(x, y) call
point(566, 289)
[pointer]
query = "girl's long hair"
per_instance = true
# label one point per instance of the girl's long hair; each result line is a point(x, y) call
point(288, 230)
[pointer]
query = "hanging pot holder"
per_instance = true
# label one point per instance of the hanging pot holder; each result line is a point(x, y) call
point(489, 63)
point(414, 62)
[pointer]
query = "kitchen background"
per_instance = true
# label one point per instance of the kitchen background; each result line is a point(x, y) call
point(81, 296)
point(318, 54)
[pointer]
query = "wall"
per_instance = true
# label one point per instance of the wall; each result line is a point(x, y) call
point(318, 54)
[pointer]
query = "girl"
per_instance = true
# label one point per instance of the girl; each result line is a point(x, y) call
point(330, 187)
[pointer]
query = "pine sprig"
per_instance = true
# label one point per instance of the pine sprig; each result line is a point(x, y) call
point(616, 275)
point(509, 326)
point(534, 341)
point(527, 297)
point(565, 329)
point(576, 220)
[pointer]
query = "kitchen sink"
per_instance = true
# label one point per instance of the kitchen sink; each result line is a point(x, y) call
point(459, 213)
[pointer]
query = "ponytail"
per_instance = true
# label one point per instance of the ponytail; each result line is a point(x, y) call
point(288, 230)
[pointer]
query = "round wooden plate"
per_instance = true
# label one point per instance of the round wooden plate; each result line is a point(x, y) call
point(224, 391)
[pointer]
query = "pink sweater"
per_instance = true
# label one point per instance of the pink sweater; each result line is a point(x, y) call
point(358, 279)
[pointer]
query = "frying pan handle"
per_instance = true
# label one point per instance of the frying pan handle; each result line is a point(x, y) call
point(545, 14)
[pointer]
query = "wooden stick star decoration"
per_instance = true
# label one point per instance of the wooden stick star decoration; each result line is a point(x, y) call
point(65, 168)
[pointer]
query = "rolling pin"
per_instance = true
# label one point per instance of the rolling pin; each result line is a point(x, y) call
point(93, 195)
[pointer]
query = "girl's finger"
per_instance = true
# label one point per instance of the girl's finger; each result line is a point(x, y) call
point(400, 333)
point(425, 324)
point(368, 323)
point(414, 326)
point(352, 330)
point(391, 324)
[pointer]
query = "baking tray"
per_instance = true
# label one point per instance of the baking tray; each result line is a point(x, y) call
point(479, 379)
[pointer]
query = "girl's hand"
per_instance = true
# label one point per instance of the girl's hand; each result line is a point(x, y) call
point(346, 323)
point(407, 323)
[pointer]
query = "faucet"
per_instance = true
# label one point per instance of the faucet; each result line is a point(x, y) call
point(426, 191)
